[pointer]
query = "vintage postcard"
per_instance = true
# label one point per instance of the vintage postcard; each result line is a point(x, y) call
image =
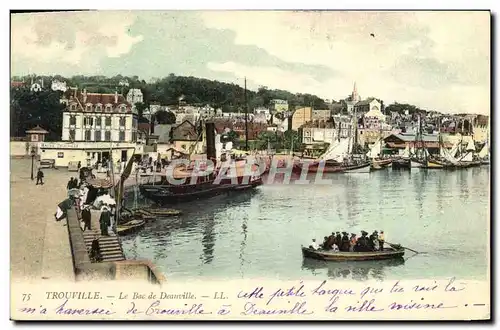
point(250, 165)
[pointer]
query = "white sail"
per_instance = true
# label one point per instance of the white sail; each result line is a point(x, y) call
point(484, 152)
point(454, 149)
point(471, 146)
point(406, 152)
point(376, 149)
point(467, 157)
point(337, 150)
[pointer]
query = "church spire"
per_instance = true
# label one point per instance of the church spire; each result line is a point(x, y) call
point(355, 96)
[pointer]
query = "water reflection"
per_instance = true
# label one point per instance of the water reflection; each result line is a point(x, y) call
point(352, 270)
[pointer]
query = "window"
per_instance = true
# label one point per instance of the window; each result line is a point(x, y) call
point(60, 154)
point(108, 108)
point(88, 107)
point(87, 135)
point(98, 107)
point(134, 136)
point(72, 134)
point(122, 121)
point(98, 135)
point(108, 121)
point(72, 120)
point(122, 136)
point(73, 107)
point(107, 136)
point(124, 108)
point(98, 121)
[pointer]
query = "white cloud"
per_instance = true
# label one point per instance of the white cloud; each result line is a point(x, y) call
point(71, 38)
point(447, 51)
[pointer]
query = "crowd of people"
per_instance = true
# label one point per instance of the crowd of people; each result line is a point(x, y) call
point(338, 242)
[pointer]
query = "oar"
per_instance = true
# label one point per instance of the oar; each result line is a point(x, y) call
point(404, 247)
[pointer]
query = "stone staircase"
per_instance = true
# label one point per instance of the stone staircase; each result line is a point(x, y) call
point(111, 249)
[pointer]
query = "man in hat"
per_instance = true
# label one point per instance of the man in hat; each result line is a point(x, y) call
point(331, 241)
point(362, 244)
point(314, 245)
point(86, 217)
point(352, 242)
point(374, 238)
point(104, 220)
point(325, 243)
point(338, 238)
point(344, 245)
point(381, 240)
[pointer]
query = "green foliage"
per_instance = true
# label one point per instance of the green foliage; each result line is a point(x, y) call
point(28, 109)
point(164, 117)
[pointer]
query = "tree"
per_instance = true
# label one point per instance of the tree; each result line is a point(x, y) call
point(164, 117)
point(291, 139)
point(140, 109)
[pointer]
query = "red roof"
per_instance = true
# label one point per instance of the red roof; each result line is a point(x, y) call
point(16, 83)
point(97, 98)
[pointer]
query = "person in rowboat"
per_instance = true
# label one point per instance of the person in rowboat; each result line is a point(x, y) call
point(314, 245)
point(325, 243)
point(381, 240)
point(352, 242)
point(331, 240)
point(335, 248)
point(338, 238)
point(345, 244)
point(375, 240)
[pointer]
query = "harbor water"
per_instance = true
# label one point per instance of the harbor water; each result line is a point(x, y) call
point(258, 234)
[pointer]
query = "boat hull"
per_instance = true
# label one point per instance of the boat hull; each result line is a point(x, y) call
point(415, 164)
point(130, 227)
point(388, 253)
point(333, 168)
point(401, 164)
point(173, 194)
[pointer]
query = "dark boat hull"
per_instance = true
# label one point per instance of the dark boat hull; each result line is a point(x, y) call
point(401, 164)
point(388, 253)
point(333, 168)
point(127, 229)
point(173, 194)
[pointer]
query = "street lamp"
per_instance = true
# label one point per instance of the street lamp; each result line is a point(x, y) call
point(33, 152)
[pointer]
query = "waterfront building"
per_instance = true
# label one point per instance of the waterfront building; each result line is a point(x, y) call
point(185, 138)
point(398, 142)
point(318, 132)
point(95, 117)
point(134, 96)
point(321, 114)
point(300, 117)
point(88, 153)
point(481, 128)
point(344, 125)
point(59, 85)
point(278, 105)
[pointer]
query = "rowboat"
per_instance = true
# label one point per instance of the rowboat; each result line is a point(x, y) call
point(129, 227)
point(387, 253)
point(164, 212)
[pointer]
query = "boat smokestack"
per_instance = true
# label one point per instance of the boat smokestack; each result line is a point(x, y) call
point(210, 136)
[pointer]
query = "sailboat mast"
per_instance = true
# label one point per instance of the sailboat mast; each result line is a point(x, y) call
point(246, 116)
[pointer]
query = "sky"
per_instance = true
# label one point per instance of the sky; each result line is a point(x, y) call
point(435, 60)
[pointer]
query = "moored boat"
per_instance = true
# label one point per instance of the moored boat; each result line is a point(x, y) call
point(130, 227)
point(387, 253)
point(401, 163)
point(164, 212)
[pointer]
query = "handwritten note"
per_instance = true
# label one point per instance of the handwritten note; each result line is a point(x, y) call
point(260, 300)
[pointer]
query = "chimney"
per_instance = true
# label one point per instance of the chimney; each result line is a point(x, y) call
point(210, 136)
point(42, 83)
point(116, 96)
point(76, 90)
point(84, 95)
